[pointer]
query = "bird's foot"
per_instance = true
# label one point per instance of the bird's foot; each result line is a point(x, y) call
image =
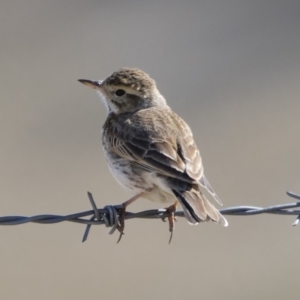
point(171, 218)
point(121, 221)
point(122, 212)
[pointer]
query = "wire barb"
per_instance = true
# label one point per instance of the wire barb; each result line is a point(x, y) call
point(109, 215)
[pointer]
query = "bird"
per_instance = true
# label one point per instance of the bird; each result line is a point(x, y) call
point(151, 150)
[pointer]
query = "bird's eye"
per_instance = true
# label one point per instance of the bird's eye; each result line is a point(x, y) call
point(120, 92)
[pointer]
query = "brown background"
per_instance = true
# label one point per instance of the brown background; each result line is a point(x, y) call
point(230, 68)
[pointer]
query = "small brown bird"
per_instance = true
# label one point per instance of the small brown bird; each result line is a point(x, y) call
point(150, 149)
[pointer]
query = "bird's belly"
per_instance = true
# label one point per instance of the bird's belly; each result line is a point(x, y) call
point(123, 173)
point(139, 180)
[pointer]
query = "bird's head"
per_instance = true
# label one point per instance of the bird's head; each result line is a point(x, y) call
point(127, 90)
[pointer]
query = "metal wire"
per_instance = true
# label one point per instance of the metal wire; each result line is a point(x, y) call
point(109, 215)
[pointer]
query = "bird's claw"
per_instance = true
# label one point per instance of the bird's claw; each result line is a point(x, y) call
point(171, 218)
point(121, 221)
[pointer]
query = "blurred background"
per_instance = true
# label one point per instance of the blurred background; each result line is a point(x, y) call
point(230, 68)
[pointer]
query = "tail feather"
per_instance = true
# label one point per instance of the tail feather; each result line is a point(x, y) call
point(197, 208)
point(205, 183)
point(214, 213)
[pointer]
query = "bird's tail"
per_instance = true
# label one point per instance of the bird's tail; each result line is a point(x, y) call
point(197, 208)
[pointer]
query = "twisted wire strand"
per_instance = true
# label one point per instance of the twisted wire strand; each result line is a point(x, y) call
point(109, 215)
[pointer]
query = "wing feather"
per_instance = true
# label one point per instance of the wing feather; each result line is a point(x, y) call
point(157, 140)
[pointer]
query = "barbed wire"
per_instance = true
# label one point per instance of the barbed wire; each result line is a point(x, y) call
point(109, 215)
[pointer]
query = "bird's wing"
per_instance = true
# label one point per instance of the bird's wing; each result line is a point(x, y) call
point(163, 144)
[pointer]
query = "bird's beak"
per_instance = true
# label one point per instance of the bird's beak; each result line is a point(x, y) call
point(95, 84)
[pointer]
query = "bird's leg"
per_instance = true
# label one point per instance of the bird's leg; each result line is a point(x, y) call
point(171, 218)
point(122, 213)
